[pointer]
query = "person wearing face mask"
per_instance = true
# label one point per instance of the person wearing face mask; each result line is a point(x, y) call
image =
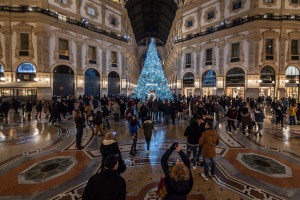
point(179, 180)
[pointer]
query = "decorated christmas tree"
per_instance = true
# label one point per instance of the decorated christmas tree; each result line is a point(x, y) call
point(152, 82)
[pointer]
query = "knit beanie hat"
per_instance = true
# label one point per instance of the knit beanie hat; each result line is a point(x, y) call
point(110, 161)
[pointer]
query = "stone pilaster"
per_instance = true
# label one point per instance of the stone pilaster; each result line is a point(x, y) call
point(78, 42)
point(46, 53)
point(103, 13)
point(221, 45)
point(104, 66)
point(7, 49)
point(39, 36)
point(282, 55)
point(253, 40)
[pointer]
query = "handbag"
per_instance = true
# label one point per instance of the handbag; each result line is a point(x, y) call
point(162, 190)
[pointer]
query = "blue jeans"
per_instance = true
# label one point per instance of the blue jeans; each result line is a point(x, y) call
point(218, 116)
point(292, 120)
point(238, 124)
point(206, 166)
point(193, 148)
point(260, 127)
point(168, 117)
point(106, 122)
point(79, 136)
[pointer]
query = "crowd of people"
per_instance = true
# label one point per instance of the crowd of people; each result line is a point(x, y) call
point(243, 116)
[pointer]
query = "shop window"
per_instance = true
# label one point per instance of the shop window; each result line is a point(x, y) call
point(26, 72)
point(92, 55)
point(269, 49)
point(237, 5)
point(63, 49)
point(295, 49)
point(292, 74)
point(114, 59)
point(235, 52)
point(235, 75)
point(92, 72)
point(209, 55)
point(269, 1)
point(113, 75)
point(295, 1)
point(188, 80)
point(267, 75)
point(209, 78)
point(91, 11)
point(190, 23)
point(211, 15)
point(112, 21)
point(188, 60)
point(24, 44)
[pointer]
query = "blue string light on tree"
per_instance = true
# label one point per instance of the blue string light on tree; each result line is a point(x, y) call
point(152, 79)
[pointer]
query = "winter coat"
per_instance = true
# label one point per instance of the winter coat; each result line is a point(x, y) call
point(143, 111)
point(292, 111)
point(285, 103)
point(98, 119)
point(148, 126)
point(195, 109)
point(155, 107)
point(298, 113)
point(29, 106)
point(259, 116)
point(79, 121)
point(217, 107)
point(39, 107)
point(105, 185)
point(116, 109)
point(134, 129)
point(232, 114)
point(208, 142)
point(176, 190)
point(109, 147)
point(5, 106)
point(139, 105)
point(167, 109)
point(246, 117)
point(193, 133)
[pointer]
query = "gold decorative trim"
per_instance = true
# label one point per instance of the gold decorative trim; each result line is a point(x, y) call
point(230, 6)
point(214, 9)
point(87, 5)
point(67, 5)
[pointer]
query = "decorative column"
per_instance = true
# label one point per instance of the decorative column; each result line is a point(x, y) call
point(104, 81)
point(280, 81)
point(8, 72)
point(79, 88)
point(198, 84)
point(178, 69)
point(252, 81)
point(103, 12)
point(220, 81)
point(124, 68)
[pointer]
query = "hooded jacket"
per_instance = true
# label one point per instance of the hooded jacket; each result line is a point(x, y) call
point(176, 190)
point(105, 185)
point(148, 126)
point(259, 116)
point(208, 141)
point(193, 133)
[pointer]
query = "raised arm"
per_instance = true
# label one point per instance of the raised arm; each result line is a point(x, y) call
point(164, 162)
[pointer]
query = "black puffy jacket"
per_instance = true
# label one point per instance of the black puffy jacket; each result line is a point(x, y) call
point(193, 133)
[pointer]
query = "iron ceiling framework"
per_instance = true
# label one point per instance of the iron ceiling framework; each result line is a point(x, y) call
point(151, 18)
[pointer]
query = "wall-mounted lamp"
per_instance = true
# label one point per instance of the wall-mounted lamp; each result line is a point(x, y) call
point(250, 81)
point(36, 79)
point(47, 79)
point(287, 81)
point(2, 78)
point(81, 81)
point(259, 81)
point(105, 82)
point(18, 80)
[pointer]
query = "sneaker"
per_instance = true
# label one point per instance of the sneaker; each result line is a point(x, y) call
point(213, 177)
point(205, 177)
point(147, 151)
point(247, 134)
point(229, 133)
point(260, 135)
point(194, 167)
point(236, 132)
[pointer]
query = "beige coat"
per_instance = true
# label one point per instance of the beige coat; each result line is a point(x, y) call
point(208, 141)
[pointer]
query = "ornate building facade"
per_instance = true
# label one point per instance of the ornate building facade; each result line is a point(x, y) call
point(66, 47)
point(235, 47)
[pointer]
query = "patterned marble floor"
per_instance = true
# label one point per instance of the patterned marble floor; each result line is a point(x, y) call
point(39, 161)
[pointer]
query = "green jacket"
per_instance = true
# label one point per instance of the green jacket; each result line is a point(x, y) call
point(148, 126)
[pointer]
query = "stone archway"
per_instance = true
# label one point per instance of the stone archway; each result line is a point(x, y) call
point(92, 82)
point(113, 83)
point(63, 81)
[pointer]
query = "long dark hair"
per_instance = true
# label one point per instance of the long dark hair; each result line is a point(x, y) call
point(133, 122)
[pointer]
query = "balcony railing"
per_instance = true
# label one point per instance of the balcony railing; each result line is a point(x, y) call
point(86, 25)
point(240, 22)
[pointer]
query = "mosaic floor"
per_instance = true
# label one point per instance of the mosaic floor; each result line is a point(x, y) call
point(39, 161)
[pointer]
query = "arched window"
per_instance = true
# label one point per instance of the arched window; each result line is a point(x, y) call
point(26, 72)
point(113, 75)
point(63, 69)
point(92, 72)
point(26, 68)
point(1, 68)
point(188, 80)
point(292, 74)
point(235, 75)
point(267, 74)
point(209, 77)
point(2, 78)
